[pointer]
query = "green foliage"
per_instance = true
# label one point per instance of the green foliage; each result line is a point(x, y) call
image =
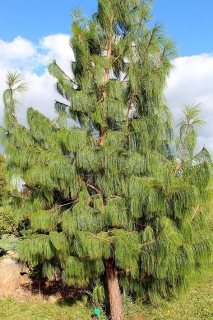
point(15, 84)
point(8, 223)
point(115, 186)
point(4, 188)
point(8, 242)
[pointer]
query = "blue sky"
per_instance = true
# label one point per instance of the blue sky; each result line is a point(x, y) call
point(34, 32)
point(189, 22)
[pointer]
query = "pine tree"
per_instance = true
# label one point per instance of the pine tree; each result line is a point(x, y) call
point(111, 199)
point(4, 188)
point(6, 217)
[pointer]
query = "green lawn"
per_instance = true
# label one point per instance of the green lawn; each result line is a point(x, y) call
point(197, 304)
point(10, 310)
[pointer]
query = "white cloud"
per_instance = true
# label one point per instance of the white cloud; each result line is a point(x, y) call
point(190, 81)
point(57, 48)
point(24, 55)
point(19, 49)
point(40, 96)
point(32, 60)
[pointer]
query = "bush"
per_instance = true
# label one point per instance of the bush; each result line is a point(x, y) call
point(8, 242)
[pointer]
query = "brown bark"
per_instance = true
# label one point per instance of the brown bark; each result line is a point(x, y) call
point(93, 188)
point(102, 135)
point(116, 310)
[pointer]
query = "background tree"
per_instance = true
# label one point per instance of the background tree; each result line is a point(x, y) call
point(110, 201)
point(4, 188)
point(7, 221)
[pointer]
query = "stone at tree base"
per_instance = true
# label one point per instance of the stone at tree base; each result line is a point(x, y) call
point(10, 277)
point(11, 254)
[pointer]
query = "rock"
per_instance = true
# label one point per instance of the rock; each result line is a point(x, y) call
point(23, 268)
point(11, 277)
point(52, 299)
point(11, 254)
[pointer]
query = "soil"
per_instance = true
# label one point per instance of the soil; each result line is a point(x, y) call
point(44, 291)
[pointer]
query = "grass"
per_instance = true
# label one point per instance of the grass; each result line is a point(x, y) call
point(10, 310)
point(197, 304)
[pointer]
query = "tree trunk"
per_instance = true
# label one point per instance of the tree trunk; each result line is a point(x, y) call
point(116, 311)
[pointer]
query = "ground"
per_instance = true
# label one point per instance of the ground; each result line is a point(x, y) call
point(44, 290)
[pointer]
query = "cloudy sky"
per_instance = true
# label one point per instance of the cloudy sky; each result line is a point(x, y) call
point(33, 33)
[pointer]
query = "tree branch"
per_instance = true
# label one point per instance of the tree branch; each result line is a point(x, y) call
point(182, 149)
point(93, 188)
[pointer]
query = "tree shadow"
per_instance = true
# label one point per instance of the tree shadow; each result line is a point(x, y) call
point(56, 289)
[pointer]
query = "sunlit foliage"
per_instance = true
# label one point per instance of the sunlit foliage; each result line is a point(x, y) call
point(114, 185)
